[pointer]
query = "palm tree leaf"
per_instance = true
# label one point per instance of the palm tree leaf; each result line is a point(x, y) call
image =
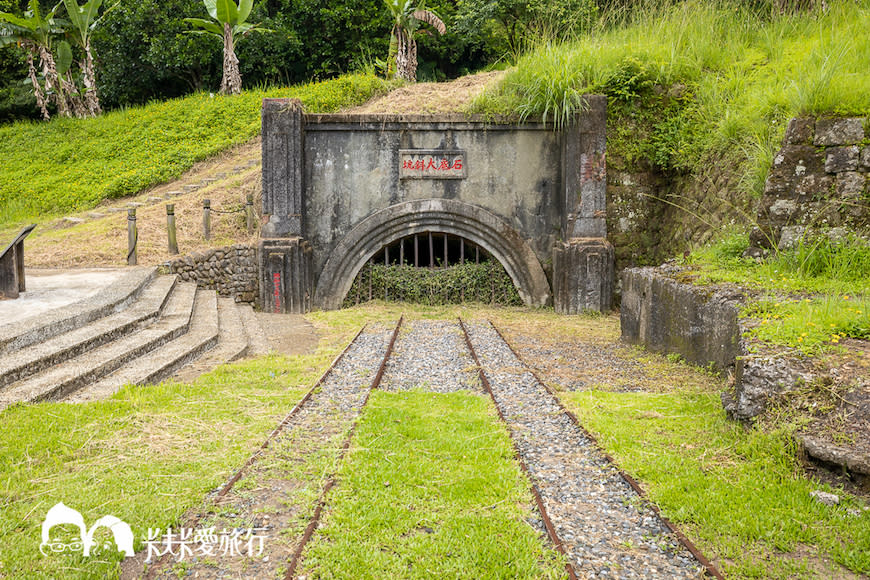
point(211, 7)
point(431, 19)
point(17, 21)
point(64, 58)
point(75, 15)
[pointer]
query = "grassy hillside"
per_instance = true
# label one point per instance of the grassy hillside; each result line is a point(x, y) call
point(691, 84)
point(73, 164)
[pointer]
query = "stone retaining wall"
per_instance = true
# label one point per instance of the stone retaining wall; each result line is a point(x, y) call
point(818, 181)
point(232, 271)
point(667, 316)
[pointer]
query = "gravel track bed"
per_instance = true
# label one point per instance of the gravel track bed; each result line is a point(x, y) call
point(431, 355)
point(279, 492)
point(607, 530)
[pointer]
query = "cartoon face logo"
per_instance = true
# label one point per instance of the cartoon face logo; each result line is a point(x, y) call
point(63, 515)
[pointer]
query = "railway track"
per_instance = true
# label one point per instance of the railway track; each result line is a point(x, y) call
point(594, 514)
point(572, 478)
point(272, 491)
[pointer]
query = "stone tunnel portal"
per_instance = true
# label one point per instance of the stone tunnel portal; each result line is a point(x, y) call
point(338, 188)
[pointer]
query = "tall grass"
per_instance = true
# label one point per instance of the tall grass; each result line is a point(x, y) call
point(738, 74)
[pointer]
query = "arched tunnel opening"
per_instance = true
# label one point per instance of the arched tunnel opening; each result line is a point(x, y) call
point(433, 268)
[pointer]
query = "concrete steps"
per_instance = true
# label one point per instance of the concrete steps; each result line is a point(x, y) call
point(231, 338)
point(140, 332)
point(29, 361)
point(163, 361)
point(46, 325)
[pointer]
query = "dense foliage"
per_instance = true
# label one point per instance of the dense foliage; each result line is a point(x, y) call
point(486, 282)
point(70, 164)
point(145, 51)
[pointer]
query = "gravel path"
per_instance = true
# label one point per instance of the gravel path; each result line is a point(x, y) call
point(607, 530)
point(431, 355)
point(278, 493)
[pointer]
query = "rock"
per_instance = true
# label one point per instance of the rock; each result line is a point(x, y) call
point(850, 185)
point(791, 236)
point(865, 158)
point(800, 132)
point(847, 457)
point(839, 159)
point(70, 221)
point(838, 234)
point(783, 208)
point(825, 497)
point(760, 378)
point(753, 253)
point(838, 132)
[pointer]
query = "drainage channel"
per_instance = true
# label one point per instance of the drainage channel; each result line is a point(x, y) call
point(271, 493)
point(595, 514)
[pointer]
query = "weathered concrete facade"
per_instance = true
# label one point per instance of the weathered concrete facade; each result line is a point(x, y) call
point(346, 185)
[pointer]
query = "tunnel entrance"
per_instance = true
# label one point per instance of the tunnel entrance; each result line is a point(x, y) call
point(433, 268)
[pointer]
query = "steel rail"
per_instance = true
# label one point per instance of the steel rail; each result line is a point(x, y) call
point(321, 502)
point(275, 432)
point(685, 541)
point(235, 478)
point(548, 524)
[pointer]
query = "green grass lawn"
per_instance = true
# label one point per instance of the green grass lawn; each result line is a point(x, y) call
point(738, 493)
point(73, 164)
point(145, 456)
point(150, 454)
point(430, 489)
point(809, 297)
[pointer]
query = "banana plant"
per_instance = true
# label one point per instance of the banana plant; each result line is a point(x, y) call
point(35, 33)
point(229, 23)
point(82, 22)
point(407, 16)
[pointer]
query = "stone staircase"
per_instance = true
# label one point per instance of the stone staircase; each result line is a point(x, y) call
point(141, 329)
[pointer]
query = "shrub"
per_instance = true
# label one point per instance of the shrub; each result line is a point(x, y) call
point(485, 282)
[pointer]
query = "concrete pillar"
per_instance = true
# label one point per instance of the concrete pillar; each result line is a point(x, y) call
point(583, 275)
point(584, 173)
point(285, 275)
point(283, 136)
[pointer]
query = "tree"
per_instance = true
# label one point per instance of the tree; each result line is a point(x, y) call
point(83, 19)
point(521, 22)
point(35, 33)
point(407, 18)
point(229, 21)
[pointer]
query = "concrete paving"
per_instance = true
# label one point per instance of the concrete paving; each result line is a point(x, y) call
point(51, 289)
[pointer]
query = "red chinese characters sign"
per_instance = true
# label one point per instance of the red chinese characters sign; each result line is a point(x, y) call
point(432, 164)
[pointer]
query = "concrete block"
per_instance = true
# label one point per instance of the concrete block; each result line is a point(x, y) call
point(583, 275)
